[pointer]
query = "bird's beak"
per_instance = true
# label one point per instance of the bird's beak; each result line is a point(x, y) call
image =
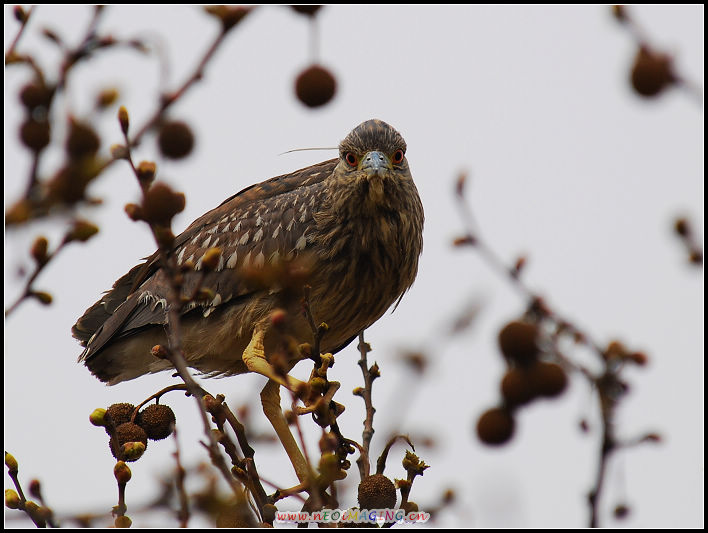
point(375, 163)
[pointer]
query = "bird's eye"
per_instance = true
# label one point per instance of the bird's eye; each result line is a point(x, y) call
point(351, 159)
point(397, 157)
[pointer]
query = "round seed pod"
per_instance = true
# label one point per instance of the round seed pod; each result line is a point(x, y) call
point(117, 414)
point(517, 341)
point(377, 492)
point(516, 388)
point(547, 379)
point(175, 139)
point(157, 420)
point(35, 134)
point(495, 426)
point(652, 72)
point(315, 86)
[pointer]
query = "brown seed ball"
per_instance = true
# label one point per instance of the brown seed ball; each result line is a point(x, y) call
point(130, 432)
point(652, 72)
point(517, 341)
point(516, 388)
point(495, 426)
point(35, 134)
point(175, 139)
point(125, 433)
point(547, 379)
point(236, 515)
point(682, 227)
point(161, 203)
point(34, 95)
point(82, 141)
point(157, 420)
point(377, 492)
point(315, 86)
point(306, 9)
point(117, 414)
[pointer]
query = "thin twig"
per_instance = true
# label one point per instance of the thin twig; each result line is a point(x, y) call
point(23, 24)
point(157, 396)
point(608, 385)
point(180, 474)
point(368, 432)
point(28, 291)
point(170, 98)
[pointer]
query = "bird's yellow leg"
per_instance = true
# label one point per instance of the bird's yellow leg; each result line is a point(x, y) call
point(255, 359)
point(270, 399)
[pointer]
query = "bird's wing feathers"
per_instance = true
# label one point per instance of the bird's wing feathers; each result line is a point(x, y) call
point(262, 224)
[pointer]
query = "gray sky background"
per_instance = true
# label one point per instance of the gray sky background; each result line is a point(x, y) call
point(566, 165)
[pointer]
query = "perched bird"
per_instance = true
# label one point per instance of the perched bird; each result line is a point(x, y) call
point(356, 222)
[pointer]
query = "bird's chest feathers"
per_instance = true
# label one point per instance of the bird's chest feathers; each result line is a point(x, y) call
point(374, 195)
point(367, 226)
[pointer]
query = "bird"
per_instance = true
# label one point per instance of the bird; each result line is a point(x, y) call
point(355, 222)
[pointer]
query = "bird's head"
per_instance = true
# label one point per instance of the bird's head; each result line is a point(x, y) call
point(373, 149)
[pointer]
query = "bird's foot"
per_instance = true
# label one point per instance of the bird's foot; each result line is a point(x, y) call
point(255, 360)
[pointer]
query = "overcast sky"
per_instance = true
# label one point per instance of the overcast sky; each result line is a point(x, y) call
point(567, 165)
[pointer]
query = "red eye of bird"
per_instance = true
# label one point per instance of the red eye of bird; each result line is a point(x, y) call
point(397, 157)
point(351, 159)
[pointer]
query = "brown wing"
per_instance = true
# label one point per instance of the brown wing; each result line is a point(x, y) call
point(263, 223)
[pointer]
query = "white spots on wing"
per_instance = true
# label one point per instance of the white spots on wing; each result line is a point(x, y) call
point(277, 231)
point(303, 217)
point(214, 229)
point(216, 241)
point(190, 259)
point(220, 266)
point(205, 244)
point(195, 240)
point(259, 260)
point(226, 228)
point(181, 255)
point(247, 259)
point(238, 226)
point(274, 257)
point(244, 239)
point(301, 243)
point(198, 266)
point(212, 305)
point(258, 235)
point(259, 221)
point(231, 263)
point(290, 225)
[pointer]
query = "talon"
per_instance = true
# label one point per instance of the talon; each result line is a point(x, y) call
point(255, 360)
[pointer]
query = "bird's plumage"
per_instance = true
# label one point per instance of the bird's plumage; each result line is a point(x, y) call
point(358, 229)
